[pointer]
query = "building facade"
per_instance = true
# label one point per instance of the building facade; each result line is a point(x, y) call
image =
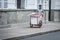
point(12, 11)
point(29, 4)
point(7, 4)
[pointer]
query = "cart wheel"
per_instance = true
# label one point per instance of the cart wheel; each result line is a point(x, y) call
point(31, 25)
point(40, 24)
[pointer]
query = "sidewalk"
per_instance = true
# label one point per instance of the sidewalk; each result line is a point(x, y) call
point(20, 30)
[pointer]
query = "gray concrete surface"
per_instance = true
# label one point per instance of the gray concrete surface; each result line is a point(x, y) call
point(49, 36)
point(10, 16)
point(23, 29)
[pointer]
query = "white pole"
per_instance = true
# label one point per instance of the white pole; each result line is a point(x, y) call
point(45, 11)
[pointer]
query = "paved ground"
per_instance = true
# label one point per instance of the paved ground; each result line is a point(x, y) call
point(49, 36)
point(18, 30)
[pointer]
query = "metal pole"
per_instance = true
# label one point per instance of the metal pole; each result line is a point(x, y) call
point(45, 11)
point(49, 10)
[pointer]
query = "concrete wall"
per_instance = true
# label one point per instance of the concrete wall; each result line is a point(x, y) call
point(12, 17)
point(17, 16)
point(55, 15)
point(3, 18)
point(23, 16)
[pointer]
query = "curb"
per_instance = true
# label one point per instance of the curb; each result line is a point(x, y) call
point(32, 35)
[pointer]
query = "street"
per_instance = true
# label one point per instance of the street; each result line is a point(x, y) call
point(49, 36)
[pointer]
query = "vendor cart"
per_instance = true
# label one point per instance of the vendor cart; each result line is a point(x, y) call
point(36, 20)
